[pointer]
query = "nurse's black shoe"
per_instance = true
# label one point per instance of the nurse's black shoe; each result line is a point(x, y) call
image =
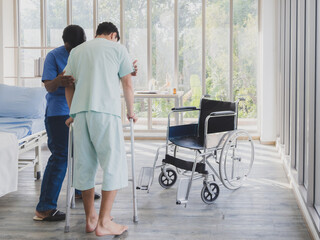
point(54, 215)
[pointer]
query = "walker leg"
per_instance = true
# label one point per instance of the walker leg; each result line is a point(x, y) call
point(69, 181)
point(135, 210)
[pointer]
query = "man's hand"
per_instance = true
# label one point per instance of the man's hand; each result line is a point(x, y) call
point(135, 68)
point(69, 121)
point(133, 117)
point(65, 81)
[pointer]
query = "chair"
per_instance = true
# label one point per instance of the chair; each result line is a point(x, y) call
point(215, 137)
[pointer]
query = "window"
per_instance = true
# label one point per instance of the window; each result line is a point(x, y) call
point(190, 57)
point(29, 20)
point(154, 37)
point(218, 50)
point(135, 38)
point(56, 21)
point(245, 58)
point(82, 15)
point(136, 41)
point(162, 33)
point(30, 37)
point(109, 11)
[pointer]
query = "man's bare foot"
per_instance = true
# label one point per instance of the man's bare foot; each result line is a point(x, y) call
point(108, 227)
point(91, 223)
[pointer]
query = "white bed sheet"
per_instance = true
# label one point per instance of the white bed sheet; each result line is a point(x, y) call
point(21, 127)
point(8, 163)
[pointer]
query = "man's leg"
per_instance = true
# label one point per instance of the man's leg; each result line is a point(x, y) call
point(105, 225)
point(91, 214)
point(107, 137)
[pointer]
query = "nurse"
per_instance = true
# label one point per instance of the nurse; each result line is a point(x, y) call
point(98, 67)
point(56, 114)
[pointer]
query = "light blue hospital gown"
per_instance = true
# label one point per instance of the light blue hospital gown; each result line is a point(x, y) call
point(96, 108)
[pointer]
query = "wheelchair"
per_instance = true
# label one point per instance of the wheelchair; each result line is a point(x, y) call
point(221, 152)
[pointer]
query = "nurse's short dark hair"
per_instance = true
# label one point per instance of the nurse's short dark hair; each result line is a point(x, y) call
point(74, 35)
point(107, 28)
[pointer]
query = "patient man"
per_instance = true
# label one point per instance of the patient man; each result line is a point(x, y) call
point(95, 106)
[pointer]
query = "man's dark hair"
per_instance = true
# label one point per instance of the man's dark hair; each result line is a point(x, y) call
point(74, 35)
point(107, 28)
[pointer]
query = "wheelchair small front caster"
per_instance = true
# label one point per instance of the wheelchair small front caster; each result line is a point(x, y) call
point(169, 180)
point(208, 196)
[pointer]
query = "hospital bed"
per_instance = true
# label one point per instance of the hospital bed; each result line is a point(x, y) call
point(70, 202)
point(22, 129)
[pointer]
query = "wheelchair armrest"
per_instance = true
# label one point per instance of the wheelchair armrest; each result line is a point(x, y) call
point(183, 109)
point(222, 113)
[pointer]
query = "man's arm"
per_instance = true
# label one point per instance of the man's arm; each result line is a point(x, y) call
point(128, 96)
point(69, 91)
point(59, 81)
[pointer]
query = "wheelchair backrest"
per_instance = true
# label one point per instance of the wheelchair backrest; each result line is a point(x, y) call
point(216, 124)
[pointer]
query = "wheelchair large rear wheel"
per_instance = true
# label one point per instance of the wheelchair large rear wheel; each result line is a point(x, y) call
point(236, 159)
point(169, 180)
point(210, 192)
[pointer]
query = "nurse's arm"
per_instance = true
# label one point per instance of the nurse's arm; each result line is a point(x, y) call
point(59, 81)
point(69, 91)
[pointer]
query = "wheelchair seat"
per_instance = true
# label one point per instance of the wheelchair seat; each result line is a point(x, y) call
point(191, 142)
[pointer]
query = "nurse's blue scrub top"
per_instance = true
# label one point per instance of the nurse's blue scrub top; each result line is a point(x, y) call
point(54, 64)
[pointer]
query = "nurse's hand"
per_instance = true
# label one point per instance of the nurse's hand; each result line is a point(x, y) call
point(65, 81)
point(69, 121)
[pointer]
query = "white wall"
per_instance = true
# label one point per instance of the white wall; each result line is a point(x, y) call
point(267, 74)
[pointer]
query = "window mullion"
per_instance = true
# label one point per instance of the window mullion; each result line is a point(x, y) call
point(149, 41)
point(231, 53)
point(95, 17)
point(176, 45)
point(122, 38)
point(69, 12)
point(204, 90)
point(18, 42)
point(43, 26)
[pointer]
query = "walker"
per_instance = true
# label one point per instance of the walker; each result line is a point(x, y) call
point(70, 203)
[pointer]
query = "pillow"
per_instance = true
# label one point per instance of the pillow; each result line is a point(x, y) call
point(22, 102)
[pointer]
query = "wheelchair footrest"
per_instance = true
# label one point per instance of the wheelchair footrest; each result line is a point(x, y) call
point(182, 191)
point(186, 165)
point(145, 178)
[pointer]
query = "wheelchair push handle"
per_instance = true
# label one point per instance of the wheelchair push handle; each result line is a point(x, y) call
point(222, 113)
point(180, 109)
